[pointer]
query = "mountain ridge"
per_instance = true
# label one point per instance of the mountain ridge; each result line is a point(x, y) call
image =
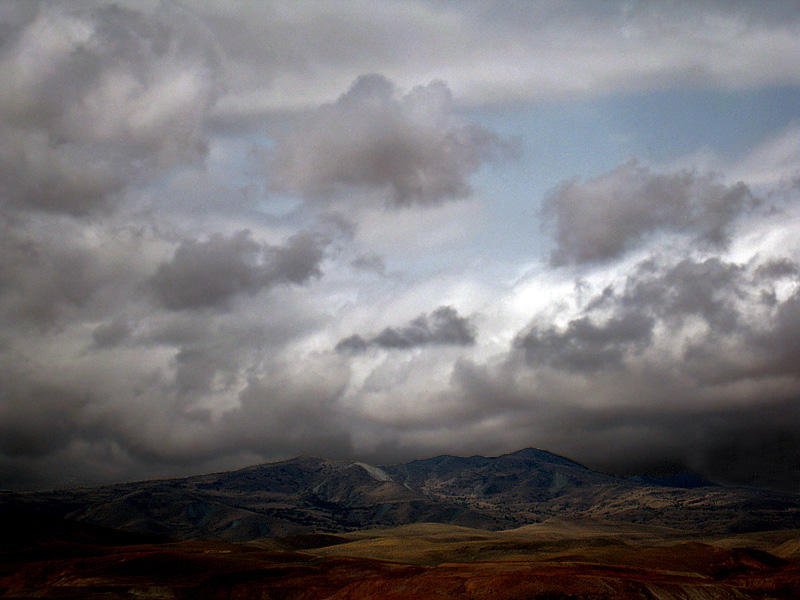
point(306, 494)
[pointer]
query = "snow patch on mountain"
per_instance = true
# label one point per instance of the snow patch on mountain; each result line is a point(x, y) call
point(374, 472)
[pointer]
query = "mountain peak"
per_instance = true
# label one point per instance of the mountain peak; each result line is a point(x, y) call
point(307, 494)
point(543, 455)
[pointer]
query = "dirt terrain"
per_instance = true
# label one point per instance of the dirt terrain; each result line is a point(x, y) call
point(528, 525)
point(557, 559)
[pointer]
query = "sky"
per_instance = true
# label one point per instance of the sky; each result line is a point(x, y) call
point(237, 231)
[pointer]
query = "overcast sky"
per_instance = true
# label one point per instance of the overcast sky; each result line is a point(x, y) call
point(237, 231)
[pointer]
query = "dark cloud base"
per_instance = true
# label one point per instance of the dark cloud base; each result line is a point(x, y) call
point(375, 139)
point(601, 219)
point(441, 327)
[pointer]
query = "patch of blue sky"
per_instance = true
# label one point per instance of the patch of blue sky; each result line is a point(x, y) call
point(239, 161)
point(557, 141)
point(584, 138)
point(665, 125)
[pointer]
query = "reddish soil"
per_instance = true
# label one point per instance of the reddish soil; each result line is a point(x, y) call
point(68, 560)
point(227, 571)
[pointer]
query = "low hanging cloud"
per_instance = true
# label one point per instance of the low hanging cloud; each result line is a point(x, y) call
point(443, 326)
point(601, 219)
point(208, 274)
point(410, 147)
point(690, 363)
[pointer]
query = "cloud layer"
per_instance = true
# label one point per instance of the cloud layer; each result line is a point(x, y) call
point(233, 232)
point(96, 98)
point(494, 52)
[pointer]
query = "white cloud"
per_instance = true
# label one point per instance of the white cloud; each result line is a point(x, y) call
point(773, 162)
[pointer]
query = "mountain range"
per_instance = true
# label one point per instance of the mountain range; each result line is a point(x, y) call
point(305, 495)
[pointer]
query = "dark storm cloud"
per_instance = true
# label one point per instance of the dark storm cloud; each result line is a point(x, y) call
point(49, 281)
point(97, 95)
point(754, 443)
point(709, 289)
point(411, 147)
point(691, 363)
point(585, 345)
point(208, 274)
point(281, 412)
point(35, 419)
point(111, 333)
point(441, 327)
point(601, 219)
point(753, 446)
point(620, 424)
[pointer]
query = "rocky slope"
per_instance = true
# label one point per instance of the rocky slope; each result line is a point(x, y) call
point(314, 495)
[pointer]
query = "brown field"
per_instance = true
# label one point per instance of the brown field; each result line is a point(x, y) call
point(557, 559)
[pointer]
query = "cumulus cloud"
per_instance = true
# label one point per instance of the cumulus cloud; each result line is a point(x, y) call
point(709, 316)
point(601, 219)
point(711, 290)
point(208, 274)
point(584, 345)
point(409, 147)
point(49, 281)
point(443, 326)
point(96, 95)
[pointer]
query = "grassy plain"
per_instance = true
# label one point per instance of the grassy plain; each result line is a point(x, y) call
point(559, 559)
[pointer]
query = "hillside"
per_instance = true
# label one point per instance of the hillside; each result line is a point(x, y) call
point(314, 495)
